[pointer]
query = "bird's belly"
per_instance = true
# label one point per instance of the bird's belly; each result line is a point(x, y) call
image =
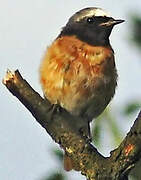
point(98, 102)
point(89, 100)
point(80, 93)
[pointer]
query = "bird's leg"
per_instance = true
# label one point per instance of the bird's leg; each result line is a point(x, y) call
point(56, 108)
point(53, 109)
point(85, 131)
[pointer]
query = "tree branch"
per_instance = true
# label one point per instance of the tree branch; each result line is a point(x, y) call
point(65, 130)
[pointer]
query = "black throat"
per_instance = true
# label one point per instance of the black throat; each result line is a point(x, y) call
point(94, 36)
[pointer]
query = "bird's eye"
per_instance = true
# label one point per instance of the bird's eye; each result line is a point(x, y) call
point(90, 20)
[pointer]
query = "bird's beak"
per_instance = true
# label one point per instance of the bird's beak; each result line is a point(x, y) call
point(112, 22)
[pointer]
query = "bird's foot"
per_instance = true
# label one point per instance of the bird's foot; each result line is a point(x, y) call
point(54, 108)
point(85, 132)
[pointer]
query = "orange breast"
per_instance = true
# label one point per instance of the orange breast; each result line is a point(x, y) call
point(69, 72)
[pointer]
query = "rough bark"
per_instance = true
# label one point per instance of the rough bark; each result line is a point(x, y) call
point(65, 130)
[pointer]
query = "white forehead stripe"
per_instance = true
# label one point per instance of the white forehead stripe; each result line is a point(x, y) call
point(89, 12)
point(101, 12)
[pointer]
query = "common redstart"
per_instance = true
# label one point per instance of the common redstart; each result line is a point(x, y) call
point(78, 70)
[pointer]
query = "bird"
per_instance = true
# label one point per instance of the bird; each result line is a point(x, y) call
point(78, 70)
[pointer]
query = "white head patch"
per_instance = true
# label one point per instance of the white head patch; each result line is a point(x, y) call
point(99, 12)
point(89, 12)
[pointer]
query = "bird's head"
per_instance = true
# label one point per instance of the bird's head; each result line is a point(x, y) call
point(92, 25)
